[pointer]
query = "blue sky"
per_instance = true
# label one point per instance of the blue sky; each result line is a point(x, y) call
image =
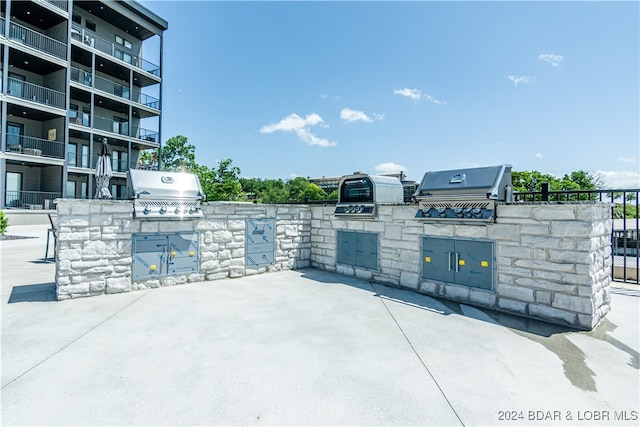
point(316, 89)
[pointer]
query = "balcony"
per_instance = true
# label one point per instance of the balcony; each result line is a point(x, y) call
point(112, 49)
point(146, 100)
point(145, 135)
point(81, 76)
point(78, 160)
point(29, 145)
point(75, 118)
point(37, 41)
point(60, 4)
point(112, 88)
point(30, 199)
point(110, 125)
point(35, 93)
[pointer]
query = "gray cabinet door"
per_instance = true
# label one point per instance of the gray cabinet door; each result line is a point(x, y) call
point(437, 259)
point(475, 263)
point(149, 255)
point(183, 253)
point(346, 250)
point(367, 250)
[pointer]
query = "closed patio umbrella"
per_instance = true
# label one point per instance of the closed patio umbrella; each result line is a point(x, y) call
point(103, 173)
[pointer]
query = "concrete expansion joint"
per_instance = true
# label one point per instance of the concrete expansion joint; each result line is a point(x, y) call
point(422, 362)
point(74, 340)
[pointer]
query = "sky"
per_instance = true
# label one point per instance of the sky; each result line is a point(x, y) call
point(314, 89)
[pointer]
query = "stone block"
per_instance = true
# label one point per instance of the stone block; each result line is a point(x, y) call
point(482, 297)
point(512, 305)
point(515, 292)
point(456, 292)
point(552, 314)
point(118, 284)
point(574, 303)
point(543, 297)
point(409, 280)
point(504, 232)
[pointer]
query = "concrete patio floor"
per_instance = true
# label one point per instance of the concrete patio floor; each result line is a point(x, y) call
point(302, 347)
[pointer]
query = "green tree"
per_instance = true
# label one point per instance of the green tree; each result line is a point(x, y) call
point(313, 192)
point(296, 188)
point(179, 155)
point(333, 195)
point(148, 160)
point(4, 222)
point(221, 183)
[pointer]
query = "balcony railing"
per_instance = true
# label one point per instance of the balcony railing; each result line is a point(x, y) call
point(110, 125)
point(112, 49)
point(2, 24)
point(145, 135)
point(60, 4)
point(112, 88)
point(78, 160)
point(82, 119)
point(35, 93)
point(35, 146)
point(28, 199)
point(146, 100)
point(37, 40)
point(81, 76)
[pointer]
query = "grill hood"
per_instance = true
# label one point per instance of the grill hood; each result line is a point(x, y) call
point(165, 195)
point(493, 182)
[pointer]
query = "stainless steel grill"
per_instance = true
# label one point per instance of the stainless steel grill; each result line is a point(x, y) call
point(359, 194)
point(165, 195)
point(464, 195)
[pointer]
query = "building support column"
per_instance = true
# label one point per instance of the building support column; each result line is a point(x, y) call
point(3, 182)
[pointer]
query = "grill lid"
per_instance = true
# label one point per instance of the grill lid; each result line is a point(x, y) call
point(160, 185)
point(493, 182)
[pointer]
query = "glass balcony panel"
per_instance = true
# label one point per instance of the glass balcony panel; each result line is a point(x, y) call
point(112, 88)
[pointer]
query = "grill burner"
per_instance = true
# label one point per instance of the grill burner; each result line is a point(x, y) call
point(165, 195)
point(463, 195)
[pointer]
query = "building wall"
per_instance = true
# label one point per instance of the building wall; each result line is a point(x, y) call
point(553, 262)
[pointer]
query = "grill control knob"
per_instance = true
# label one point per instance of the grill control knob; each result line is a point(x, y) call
point(426, 213)
point(147, 210)
point(458, 212)
point(442, 212)
point(192, 210)
point(177, 211)
point(467, 212)
point(163, 210)
point(477, 212)
point(359, 209)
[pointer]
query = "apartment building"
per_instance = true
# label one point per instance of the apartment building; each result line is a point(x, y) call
point(75, 74)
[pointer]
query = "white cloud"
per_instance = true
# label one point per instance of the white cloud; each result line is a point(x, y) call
point(390, 167)
point(414, 94)
point(354, 115)
point(432, 99)
point(626, 159)
point(300, 126)
point(554, 60)
point(517, 80)
point(379, 117)
point(620, 179)
point(539, 155)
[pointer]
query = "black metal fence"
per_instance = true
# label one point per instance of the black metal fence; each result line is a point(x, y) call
point(625, 211)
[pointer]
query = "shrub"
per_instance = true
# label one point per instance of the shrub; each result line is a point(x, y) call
point(4, 222)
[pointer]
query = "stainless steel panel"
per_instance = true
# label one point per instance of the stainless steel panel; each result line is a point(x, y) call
point(358, 249)
point(493, 182)
point(160, 185)
point(162, 254)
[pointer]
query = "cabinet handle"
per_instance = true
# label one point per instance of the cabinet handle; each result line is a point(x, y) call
point(449, 264)
point(457, 260)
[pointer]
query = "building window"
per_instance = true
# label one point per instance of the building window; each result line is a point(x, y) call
point(90, 25)
point(76, 18)
point(124, 42)
point(72, 152)
point(71, 189)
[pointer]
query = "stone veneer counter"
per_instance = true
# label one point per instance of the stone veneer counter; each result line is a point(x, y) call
point(550, 261)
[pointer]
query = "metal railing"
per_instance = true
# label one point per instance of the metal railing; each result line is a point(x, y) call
point(35, 93)
point(110, 125)
point(60, 4)
point(112, 49)
point(30, 199)
point(146, 135)
point(35, 146)
point(77, 118)
point(112, 88)
point(78, 160)
point(2, 24)
point(146, 100)
point(81, 76)
point(625, 245)
point(37, 40)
